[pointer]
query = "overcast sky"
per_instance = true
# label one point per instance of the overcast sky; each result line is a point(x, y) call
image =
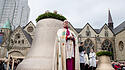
point(79, 12)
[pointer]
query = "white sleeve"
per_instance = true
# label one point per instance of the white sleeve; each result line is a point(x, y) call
point(95, 55)
point(90, 55)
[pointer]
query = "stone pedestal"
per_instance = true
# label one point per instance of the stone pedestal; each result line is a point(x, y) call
point(104, 63)
point(42, 53)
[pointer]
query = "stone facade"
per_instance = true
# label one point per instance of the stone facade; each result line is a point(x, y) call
point(19, 42)
point(119, 45)
point(103, 39)
point(73, 29)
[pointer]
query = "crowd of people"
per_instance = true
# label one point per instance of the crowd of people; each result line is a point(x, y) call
point(3, 64)
point(118, 65)
point(87, 62)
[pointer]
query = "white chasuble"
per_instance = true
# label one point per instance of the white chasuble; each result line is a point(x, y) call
point(65, 50)
point(92, 57)
point(69, 49)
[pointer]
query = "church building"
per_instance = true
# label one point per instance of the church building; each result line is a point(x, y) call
point(107, 38)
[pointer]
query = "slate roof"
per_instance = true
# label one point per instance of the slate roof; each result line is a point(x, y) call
point(97, 30)
point(27, 36)
point(119, 28)
point(78, 30)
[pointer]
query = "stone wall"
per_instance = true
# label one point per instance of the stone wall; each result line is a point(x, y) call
point(120, 52)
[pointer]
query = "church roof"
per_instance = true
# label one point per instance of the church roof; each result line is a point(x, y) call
point(97, 30)
point(7, 24)
point(119, 28)
point(27, 36)
point(78, 30)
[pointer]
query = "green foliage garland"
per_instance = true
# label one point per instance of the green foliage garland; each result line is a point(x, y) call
point(107, 53)
point(50, 15)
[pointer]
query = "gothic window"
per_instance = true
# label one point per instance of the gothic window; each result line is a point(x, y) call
point(19, 42)
point(79, 38)
point(17, 36)
point(98, 38)
point(105, 27)
point(88, 31)
point(88, 44)
point(11, 41)
point(107, 45)
point(106, 33)
point(22, 41)
point(121, 46)
point(15, 41)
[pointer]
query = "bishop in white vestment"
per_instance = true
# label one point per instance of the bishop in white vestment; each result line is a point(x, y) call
point(67, 49)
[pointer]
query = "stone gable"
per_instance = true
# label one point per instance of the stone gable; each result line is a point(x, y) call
point(73, 29)
point(30, 28)
point(106, 32)
point(18, 39)
point(87, 29)
point(19, 43)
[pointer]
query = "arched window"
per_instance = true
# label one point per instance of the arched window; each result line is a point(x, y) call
point(30, 29)
point(15, 41)
point(107, 45)
point(19, 42)
point(88, 33)
point(11, 41)
point(121, 46)
point(88, 44)
point(17, 36)
point(22, 41)
point(106, 33)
